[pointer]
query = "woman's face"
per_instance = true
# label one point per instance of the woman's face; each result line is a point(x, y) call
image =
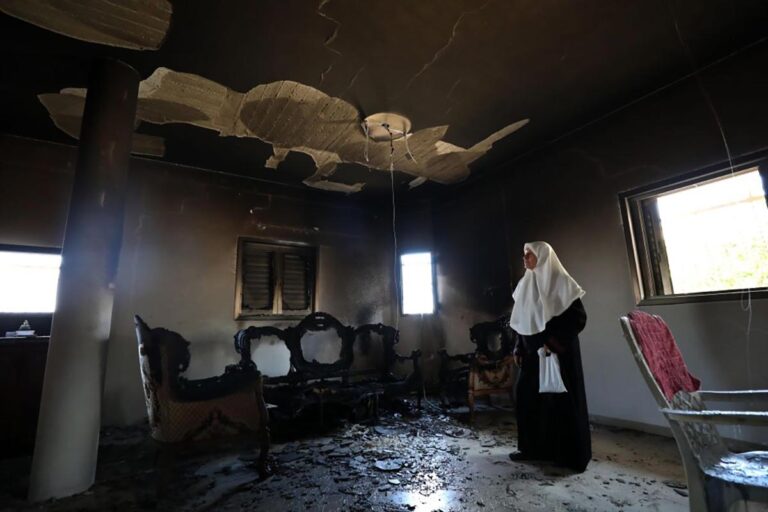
point(529, 259)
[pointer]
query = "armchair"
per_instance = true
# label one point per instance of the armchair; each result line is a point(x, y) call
point(180, 409)
point(392, 385)
point(717, 477)
point(489, 369)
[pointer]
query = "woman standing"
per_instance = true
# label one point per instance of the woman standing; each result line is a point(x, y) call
point(548, 313)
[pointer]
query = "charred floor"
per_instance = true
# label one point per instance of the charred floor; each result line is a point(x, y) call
point(425, 462)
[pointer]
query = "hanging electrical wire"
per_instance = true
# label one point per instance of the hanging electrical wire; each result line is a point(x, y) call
point(379, 128)
point(407, 149)
point(364, 124)
point(391, 149)
point(394, 226)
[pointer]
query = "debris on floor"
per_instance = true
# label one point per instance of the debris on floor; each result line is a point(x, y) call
point(425, 463)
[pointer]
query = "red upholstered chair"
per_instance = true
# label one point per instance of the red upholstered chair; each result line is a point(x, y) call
point(717, 477)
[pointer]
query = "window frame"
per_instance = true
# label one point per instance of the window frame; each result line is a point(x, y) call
point(283, 247)
point(45, 316)
point(643, 265)
point(433, 262)
point(30, 248)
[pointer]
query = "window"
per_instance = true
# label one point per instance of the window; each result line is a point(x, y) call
point(28, 280)
point(417, 282)
point(274, 280)
point(702, 237)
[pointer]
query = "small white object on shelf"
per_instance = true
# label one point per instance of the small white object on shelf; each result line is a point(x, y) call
point(25, 330)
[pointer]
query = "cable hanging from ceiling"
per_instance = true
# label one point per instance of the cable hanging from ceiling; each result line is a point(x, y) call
point(389, 127)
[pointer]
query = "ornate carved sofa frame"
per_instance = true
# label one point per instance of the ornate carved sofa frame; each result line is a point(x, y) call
point(183, 410)
point(312, 383)
point(488, 370)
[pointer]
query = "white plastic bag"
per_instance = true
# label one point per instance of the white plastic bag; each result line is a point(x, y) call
point(550, 380)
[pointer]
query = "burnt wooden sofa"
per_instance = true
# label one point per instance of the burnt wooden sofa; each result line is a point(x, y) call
point(180, 409)
point(486, 371)
point(353, 380)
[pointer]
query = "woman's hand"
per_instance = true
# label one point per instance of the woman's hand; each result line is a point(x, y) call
point(518, 360)
point(554, 346)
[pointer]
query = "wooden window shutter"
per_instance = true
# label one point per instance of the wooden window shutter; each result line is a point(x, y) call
point(258, 279)
point(296, 285)
point(662, 280)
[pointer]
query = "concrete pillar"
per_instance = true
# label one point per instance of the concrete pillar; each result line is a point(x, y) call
point(64, 461)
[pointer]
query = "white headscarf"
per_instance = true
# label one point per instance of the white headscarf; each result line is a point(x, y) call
point(543, 293)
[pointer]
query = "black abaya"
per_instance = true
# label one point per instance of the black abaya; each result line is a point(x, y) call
point(554, 426)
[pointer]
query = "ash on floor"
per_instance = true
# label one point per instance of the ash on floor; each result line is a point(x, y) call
point(432, 462)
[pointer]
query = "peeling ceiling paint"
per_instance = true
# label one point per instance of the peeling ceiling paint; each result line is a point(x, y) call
point(134, 24)
point(475, 66)
point(292, 117)
point(66, 111)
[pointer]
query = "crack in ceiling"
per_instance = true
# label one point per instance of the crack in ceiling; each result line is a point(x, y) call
point(440, 51)
point(449, 99)
point(292, 117)
point(330, 39)
point(336, 29)
point(352, 82)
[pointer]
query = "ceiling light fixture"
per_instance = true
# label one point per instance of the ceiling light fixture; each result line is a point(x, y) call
point(387, 127)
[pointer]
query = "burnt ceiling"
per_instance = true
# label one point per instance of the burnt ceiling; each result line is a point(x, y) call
point(466, 73)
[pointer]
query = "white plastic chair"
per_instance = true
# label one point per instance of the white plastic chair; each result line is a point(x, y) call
point(717, 478)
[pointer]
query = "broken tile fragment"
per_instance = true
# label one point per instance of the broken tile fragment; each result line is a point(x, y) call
point(388, 465)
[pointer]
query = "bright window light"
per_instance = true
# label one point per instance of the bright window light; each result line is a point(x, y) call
point(418, 291)
point(716, 234)
point(28, 282)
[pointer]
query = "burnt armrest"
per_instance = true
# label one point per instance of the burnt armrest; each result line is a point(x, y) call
point(717, 417)
point(215, 387)
point(461, 358)
point(416, 354)
point(484, 362)
point(415, 357)
point(745, 395)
